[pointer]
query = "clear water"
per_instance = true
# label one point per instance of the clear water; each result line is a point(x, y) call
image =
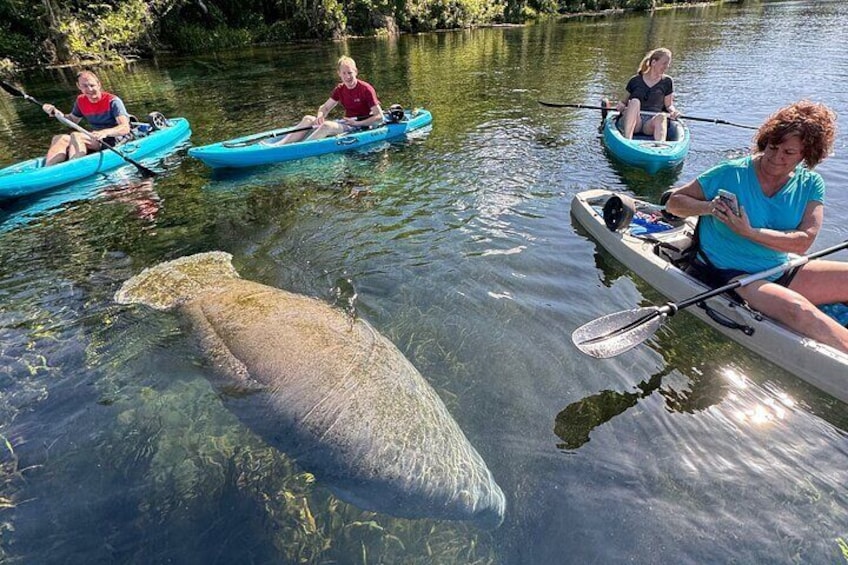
point(459, 248)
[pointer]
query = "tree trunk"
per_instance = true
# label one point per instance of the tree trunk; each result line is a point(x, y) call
point(61, 52)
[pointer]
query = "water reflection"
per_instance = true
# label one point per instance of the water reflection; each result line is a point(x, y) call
point(141, 196)
point(464, 255)
point(645, 185)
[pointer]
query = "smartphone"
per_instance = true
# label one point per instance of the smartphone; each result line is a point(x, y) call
point(729, 200)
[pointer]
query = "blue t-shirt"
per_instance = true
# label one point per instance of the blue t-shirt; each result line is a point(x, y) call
point(783, 211)
point(102, 114)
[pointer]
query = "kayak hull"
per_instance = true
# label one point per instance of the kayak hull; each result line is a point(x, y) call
point(32, 176)
point(820, 365)
point(644, 152)
point(258, 149)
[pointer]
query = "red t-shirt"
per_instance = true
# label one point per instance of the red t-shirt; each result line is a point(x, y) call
point(356, 101)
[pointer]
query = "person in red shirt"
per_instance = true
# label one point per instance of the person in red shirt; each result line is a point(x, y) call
point(105, 113)
point(357, 97)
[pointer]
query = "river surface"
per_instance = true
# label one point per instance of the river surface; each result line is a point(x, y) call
point(458, 245)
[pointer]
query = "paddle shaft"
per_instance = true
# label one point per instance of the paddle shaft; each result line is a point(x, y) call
point(17, 92)
point(598, 339)
point(681, 116)
point(263, 136)
point(744, 281)
point(256, 139)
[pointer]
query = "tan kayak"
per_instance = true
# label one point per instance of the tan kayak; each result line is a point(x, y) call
point(647, 247)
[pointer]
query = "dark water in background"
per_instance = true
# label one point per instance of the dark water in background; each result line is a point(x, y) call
point(463, 253)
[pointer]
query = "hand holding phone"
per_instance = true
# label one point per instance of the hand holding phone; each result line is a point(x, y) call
point(729, 199)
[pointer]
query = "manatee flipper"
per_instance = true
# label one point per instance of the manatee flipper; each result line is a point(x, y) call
point(172, 283)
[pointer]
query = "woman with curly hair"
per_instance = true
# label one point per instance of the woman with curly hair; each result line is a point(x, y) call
point(776, 208)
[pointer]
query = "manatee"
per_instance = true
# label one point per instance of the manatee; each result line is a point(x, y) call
point(327, 390)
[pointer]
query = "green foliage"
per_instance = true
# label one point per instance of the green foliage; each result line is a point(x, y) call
point(192, 38)
point(16, 46)
point(430, 15)
point(64, 31)
point(19, 31)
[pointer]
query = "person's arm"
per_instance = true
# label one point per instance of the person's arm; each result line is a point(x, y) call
point(628, 90)
point(374, 117)
point(55, 112)
point(324, 110)
point(123, 128)
point(668, 102)
point(797, 241)
point(689, 200)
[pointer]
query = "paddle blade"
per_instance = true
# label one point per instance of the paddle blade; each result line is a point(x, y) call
point(616, 333)
point(11, 89)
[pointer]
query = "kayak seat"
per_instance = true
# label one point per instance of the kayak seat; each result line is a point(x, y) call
point(674, 132)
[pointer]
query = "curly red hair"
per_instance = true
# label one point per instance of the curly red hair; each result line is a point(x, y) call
point(814, 124)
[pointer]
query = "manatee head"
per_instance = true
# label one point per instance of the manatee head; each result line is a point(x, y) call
point(169, 284)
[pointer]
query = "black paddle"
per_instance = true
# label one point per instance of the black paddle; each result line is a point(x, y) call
point(21, 94)
point(616, 333)
point(681, 116)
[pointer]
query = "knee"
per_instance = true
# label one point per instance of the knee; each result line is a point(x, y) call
point(634, 105)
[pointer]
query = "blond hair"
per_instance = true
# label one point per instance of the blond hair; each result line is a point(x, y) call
point(652, 56)
point(345, 60)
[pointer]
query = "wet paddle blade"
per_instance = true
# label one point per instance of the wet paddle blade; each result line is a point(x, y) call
point(616, 333)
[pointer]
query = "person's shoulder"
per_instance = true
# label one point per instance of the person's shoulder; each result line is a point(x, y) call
point(736, 164)
point(744, 162)
point(806, 174)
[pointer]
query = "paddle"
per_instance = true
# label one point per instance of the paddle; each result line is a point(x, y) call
point(261, 137)
point(145, 172)
point(681, 116)
point(272, 134)
point(616, 333)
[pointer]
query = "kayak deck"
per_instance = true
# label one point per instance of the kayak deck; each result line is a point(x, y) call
point(642, 252)
point(260, 149)
point(645, 152)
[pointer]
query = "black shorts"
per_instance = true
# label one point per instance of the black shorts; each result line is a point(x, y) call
point(715, 277)
point(113, 141)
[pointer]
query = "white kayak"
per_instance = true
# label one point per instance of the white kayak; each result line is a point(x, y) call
point(646, 246)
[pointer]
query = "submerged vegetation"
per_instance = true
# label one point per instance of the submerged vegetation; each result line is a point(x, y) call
point(75, 31)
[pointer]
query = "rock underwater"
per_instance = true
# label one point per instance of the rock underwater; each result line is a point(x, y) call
point(327, 390)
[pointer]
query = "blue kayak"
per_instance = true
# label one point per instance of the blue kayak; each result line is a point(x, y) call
point(260, 149)
point(32, 176)
point(643, 151)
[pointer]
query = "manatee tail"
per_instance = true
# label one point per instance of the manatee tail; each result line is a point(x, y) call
point(169, 284)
